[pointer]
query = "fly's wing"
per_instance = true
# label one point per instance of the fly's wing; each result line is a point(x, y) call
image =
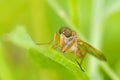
point(92, 50)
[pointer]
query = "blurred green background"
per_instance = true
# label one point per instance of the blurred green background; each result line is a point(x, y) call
point(98, 21)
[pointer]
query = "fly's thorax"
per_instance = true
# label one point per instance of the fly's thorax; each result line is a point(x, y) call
point(68, 44)
point(64, 39)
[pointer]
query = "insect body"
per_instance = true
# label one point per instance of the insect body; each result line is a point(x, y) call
point(68, 42)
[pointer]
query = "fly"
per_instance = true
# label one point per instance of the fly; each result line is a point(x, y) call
point(68, 42)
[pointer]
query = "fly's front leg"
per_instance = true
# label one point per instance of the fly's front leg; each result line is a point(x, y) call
point(51, 42)
point(55, 41)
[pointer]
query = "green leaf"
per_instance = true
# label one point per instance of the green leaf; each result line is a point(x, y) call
point(44, 55)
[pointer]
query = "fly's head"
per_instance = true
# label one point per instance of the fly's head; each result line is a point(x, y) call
point(67, 32)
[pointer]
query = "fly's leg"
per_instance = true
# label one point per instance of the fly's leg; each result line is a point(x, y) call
point(79, 65)
point(80, 54)
point(55, 41)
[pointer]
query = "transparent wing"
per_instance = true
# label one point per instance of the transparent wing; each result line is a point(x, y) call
point(90, 49)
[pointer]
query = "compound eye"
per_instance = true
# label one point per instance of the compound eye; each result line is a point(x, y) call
point(66, 31)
